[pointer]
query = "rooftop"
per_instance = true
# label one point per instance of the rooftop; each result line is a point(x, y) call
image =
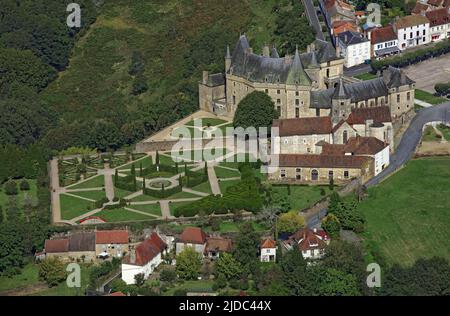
point(439, 16)
point(304, 126)
point(322, 161)
point(383, 34)
point(111, 237)
point(410, 20)
point(193, 235)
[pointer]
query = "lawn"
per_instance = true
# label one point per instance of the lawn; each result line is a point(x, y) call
point(95, 182)
point(204, 187)
point(119, 193)
point(366, 76)
point(223, 173)
point(233, 162)
point(4, 198)
point(224, 185)
point(182, 195)
point(73, 207)
point(430, 135)
point(408, 215)
point(445, 130)
point(428, 97)
point(121, 215)
point(146, 162)
point(302, 196)
point(154, 209)
point(27, 277)
point(93, 195)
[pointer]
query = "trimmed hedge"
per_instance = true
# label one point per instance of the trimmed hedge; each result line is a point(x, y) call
point(163, 194)
point(409, 58)
point(99, 203)
point(243, 196)
point(194, 178)
point(152, 169)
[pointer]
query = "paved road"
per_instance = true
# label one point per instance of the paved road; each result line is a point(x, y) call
point(56, 204)
point(313, 19)
point(411, 139)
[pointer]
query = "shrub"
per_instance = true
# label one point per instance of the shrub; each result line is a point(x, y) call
point(24, 185)
point(52, 271)
point(180, 292)
point(11, 187)
point(168, 275)
point(99, 203)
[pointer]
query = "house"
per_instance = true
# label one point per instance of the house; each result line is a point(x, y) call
point(143, 259)
point(311, 243)
point(78, 246)
point(339, 27)
point(412, 30)
point(268, 250)
point(353, 47)
point(439, 24)
point(215, 246)
point(435, 4)
point(361, 15)
point(384, 42)
point(192, 237)
point(420, 8)
point(111, 243)
point(338, 10)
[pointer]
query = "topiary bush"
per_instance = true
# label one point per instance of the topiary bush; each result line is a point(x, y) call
point(11, 187)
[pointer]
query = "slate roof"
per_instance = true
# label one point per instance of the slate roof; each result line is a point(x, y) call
point(351, 38)
point(215, 80)
point(358, 91)
point(411, 20)
point(439, 17)
point(304, 126)
point(79, 242)
point(383, 34)
point(395, 77)
point(273, 69)
point(322, 161)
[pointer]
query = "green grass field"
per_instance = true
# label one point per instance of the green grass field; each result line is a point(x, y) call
point(204, 187)
point(445, 130)
point(154, 209)
point(302, 196)
point(93, 195)
point(146, 162)
point(365, 76)
point(119, 193)
point(223, 173)
point(428, 97)
point(408, 215)
point(95, 182)
point(224, 185)
point(4, 198)
point(27, 277)
point(73, 207)
point(121, 215)
point(430, 135)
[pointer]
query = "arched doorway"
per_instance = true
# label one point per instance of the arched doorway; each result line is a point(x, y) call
point(314, 175)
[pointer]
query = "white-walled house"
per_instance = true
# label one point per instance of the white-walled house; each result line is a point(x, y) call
point(311, 243)
point(439, 24)
point(353, 47)
point(412, 30)
point(268, 250)
point(384, 42)
point(144, 259)
point(192, 237)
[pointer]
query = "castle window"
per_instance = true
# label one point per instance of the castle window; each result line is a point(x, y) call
point(346, 174)
point(330, 174)
point(267, 91)
point(278, 101)
point(279, 110)
point(298, 174)
point(234, 100)
point(297, 102)
point(328, 72)
point(314, 175)
point(317, 112)
point(398, 97)
point(297, 93)
point(278, 91)
point(297, 112)
point(372, 104)
point(345, 137)
point(408, 96)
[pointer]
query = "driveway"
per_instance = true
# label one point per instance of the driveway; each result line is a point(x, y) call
point(411, 139)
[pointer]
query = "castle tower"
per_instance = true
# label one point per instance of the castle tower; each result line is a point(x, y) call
point(227, 59)
point(341, 103)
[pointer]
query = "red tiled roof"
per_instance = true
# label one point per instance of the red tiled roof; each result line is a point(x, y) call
point(268, 243)
point(435, 3)
point(111, 237)
point(446, 3)
point(218, 244)
point(307, 239)
point(343, 26)
point(360, 13)
point(193, 235)
point(322, 161)
point(383, 34)
point(56, 245)
point(304, 126)
point(380, 114)
point(438, 17)
point(149, 249)
point(116, 294)
point(364, 145)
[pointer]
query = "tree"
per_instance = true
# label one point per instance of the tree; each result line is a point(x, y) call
point(331, 185)
point(348, 214)
point(11, 248)
point(139, 279)
point(168, 275)
point(246, 247)
point(157, 158)
point(140, 85)
point(51, 270)
point(24, 185)
point(331, 225)
point(188, 264)
point(116, 176)
point(333, 282)
point(255, 110)
point(294, 273)
point(143, 185)
point(11, 187)
point(290, 222)
point(227, 266)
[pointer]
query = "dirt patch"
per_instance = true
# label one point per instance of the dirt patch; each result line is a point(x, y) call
point(25, 291)
point(433, 149)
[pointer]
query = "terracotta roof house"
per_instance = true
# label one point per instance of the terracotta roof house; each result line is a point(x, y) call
point(343, 26)
point(439, 24)
point(216, 245)
point(412, 30)
point(192, 237)
point(56, 246)
point(143, 259)
point(384, 42)
point(420, 8)
point(312, 243)
point(116, 294)
point(304, 126)
point(435, 3)
point(111, 243)
point(268, 250)
point(74, 246)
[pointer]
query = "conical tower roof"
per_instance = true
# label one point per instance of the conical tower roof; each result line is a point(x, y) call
point(340, 92)
point(274, 52)
point(297, 75)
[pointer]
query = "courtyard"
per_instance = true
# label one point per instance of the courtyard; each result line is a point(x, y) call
point(427, 73)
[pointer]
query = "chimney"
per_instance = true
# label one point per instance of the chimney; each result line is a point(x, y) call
point(205, 77)
point(266, 50)
point(132, 255)
point(368, 123)
point(315, 230)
